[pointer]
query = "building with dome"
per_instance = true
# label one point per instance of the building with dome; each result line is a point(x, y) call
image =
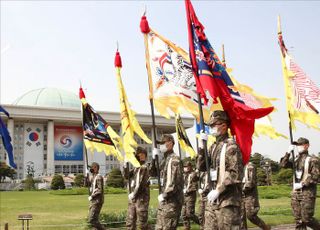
point(46, 132)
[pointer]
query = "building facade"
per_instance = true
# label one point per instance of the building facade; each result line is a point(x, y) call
point(46, 132)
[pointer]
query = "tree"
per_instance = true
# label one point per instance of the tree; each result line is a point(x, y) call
point(261, 176)
point(29, 183)
point(6, 171)
point(115, 179)
point(57, 182)
point(284, 176)
point(79, 180)
point(256, 159)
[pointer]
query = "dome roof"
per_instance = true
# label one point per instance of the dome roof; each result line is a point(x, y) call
point(49, 97)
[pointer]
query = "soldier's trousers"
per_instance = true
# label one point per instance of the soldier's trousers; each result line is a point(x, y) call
point(188, 210)
point(168, 215)
point(226, 218)
point(137, 214)
point(93, 217)
point(250, 211)
point(303, 211)
point(202, 208)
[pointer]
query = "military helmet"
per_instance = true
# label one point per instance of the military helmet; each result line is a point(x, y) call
point(95, 164)
point(218, 115)
point(187, 164)
point(165, 138)
point(301, 141)
point(141, 150)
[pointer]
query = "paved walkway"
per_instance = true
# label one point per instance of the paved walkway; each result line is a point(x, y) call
point(279, 227)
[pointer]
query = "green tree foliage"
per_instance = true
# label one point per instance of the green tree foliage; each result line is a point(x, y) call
point(57, 182)
point(29, 183)
point(6, 171)
point(261, 176)
point(284, 176)
point(115, 179)
point(256, 159)
point(79, 180)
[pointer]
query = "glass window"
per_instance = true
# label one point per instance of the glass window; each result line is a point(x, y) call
point(80, 168)
point(66, 169)
point(44, 156)
point(74, 169)
point(58, 169)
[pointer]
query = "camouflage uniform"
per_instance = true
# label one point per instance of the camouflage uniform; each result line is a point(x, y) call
point(169, 210)
point(250, 199)
point(303, 200)
point(203, 187)
point(225, 212)
point(97, 194)
point(190, 197)
point(138, 207)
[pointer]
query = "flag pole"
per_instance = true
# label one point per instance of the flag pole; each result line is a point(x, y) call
point(283, 49)
point(223, 57)
point(118, 65)
point(144, 27)
point(86, 181)
point(195, 72)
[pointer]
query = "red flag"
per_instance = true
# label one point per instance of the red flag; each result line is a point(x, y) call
point(212, 76)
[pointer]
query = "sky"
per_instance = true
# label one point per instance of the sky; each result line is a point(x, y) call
point(60, 43)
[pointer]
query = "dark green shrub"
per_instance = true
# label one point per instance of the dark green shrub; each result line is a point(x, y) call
point(79, 180)
point(115, 179)
point(284, 176)
point(29, 183)
point(57, 182)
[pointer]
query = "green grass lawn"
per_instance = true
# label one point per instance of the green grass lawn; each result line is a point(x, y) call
point(49, 211)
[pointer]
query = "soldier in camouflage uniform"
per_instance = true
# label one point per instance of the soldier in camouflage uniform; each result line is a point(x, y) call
point(306, 175)
point(171, 197)
point(223, 207)
point(139, 193)
point(96, 197)
point(190, 195)
point(250, 198)
point(203, 192)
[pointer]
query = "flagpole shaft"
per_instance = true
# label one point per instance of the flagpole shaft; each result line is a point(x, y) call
point(204, 142)
point(86, 182)
point(291, 141)
point(145, 36)
point(155, 144)
point(129, 179)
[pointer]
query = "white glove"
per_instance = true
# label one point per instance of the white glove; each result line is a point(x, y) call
point(155, 152)
point(200, 191)
point(297, 186)
point(184, 190)
point(90, 198)
point(291, 148)
point(131, 196)
point(203, 137)
point(160, 198)
point(213, 195)
point(87, 171)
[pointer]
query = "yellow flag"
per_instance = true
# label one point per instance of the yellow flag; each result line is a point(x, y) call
point(302, 94)
point(97, 133)
point(129, 123)
point(183, 139)
point(251, 98)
